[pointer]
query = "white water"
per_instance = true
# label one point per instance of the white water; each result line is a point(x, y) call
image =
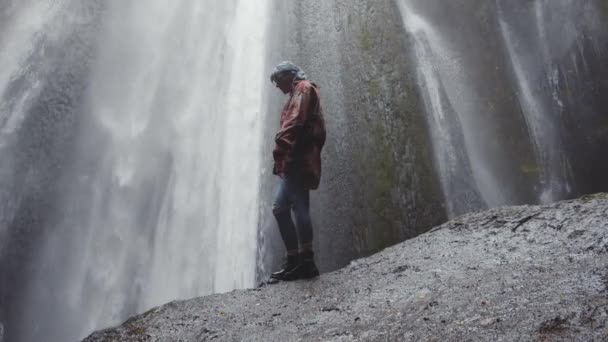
point(450, 104)
point(163, 202)
point(534, 68)
point(535, 34)
point(17, 42)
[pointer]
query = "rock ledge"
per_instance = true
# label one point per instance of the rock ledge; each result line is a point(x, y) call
point(514, 273)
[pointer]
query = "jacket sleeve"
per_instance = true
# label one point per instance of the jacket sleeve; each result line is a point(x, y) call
point(293, 124)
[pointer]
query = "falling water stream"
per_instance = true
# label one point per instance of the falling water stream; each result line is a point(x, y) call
point(531, 54)
point(444, 84)
point(536, 37)
point(159, 201)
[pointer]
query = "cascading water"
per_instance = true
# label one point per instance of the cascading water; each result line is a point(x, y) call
point(438, 74)
point(159, 199)
point(528, 44)
point(534, 57)
point(467, 181)
point(20, 84)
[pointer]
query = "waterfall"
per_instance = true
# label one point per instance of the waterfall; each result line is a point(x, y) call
point(159, 199)
point(450, 103)
point(537, 76)
point(485, 65)
point(20, 84)
point(131, 135)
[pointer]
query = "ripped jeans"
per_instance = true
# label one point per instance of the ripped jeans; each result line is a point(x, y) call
point(292, 195)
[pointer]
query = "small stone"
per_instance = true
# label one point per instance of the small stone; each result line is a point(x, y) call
point(488, 321)
point(332, 331)
point(400, 269)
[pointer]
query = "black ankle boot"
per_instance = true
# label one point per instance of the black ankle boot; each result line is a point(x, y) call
point(289, 265)
point(305, 269)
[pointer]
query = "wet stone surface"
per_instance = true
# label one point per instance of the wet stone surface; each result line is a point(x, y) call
point(507, 274)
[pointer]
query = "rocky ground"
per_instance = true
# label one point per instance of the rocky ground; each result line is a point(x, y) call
point(527, 273)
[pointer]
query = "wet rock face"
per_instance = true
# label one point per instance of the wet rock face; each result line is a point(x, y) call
point(382, 179)
point(513, 273)
point(394, 190)
point(379, 186)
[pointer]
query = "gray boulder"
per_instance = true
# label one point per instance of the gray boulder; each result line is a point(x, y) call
point(507, 274)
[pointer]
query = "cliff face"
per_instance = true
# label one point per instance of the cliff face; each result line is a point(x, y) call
point(379, 185)
point(513, 273)
point(436, 109)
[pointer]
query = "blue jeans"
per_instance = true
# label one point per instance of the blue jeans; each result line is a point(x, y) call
point(293, 195)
